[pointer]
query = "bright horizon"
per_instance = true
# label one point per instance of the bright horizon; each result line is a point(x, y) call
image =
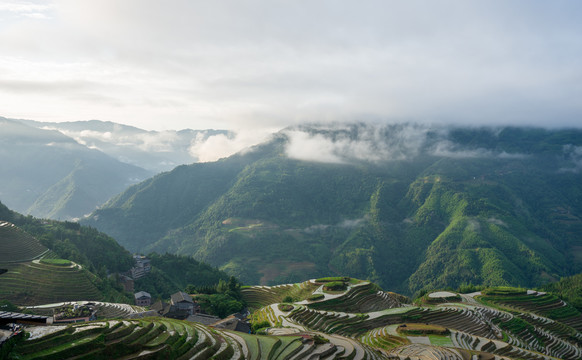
point(264, 65)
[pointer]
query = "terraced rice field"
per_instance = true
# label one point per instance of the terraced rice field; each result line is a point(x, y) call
point(33, 283)
point(27, 281)
point(18, 246)
point(471, 331)
point(542, 304)
point(260, 296)
point(156, 338)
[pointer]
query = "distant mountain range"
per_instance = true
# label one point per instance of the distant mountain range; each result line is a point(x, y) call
point(47, 174)
point(411, 207)
point(155, 151)
point(65, 170)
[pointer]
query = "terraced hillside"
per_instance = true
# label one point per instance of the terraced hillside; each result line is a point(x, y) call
point(470, 329)
point(540, 303)
point(28, 281)
point(157, 338)
point(18, 246)
point(315, 327)
point(34, 283)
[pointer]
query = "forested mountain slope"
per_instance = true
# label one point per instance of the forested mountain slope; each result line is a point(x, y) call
point(407, 206)
point(47, 174)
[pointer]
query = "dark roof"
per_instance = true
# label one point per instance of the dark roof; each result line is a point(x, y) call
point(158, 306)
point(142, 294)
point(13, 315)
point(181, 296)
point(7, 317)
point(232, 323)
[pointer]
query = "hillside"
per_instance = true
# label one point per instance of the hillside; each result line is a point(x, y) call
point(308, 324)
point(155, 151)
point(28, 278)
point(46, 261)
point(92, 256)
point(49, 175)
point(407, 206)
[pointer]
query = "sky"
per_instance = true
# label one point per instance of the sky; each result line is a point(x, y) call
point(263, 65)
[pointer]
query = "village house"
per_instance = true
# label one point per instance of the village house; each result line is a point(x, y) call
point(142, 267)
point(180, 306)
point(143, 298)
point(126, 282)
point(184, 302)
point(232, 323)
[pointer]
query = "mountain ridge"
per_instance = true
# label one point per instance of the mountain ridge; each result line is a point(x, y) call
point(398, 204)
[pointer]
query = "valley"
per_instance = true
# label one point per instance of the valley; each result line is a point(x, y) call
point(492, 223)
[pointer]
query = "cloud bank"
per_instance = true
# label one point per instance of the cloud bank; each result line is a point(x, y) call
point(214, 147)
point(263, 64)
point(375, 143)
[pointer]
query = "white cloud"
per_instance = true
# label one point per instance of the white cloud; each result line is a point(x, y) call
point(231, 64)
point(342, 144)
point(371, 143)
point(215, 147)
point(573, 153)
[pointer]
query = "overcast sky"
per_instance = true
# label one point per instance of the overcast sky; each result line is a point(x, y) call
point(245, 64)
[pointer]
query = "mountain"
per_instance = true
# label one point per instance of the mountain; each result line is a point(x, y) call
point(47, 174)
point(155, 151)
point(409, 206)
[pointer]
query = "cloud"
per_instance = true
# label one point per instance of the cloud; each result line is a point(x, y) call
point(25, 8)
point(230, 64)
point(211, 148)
point(496, 221)
point(344, 143)
point(446, 148)
point(345, 224)
point(163, 141)
point(573, 153)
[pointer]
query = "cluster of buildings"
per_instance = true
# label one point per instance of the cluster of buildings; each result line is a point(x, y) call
point(142, 266)
point(182, 306)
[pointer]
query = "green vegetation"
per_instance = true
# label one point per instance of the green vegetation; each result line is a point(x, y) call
point(504, 291)
point(53, 278)
point(333, 279)
point(227, 299)
point(86, 246)
point(285, 307)
point(568, 289)
point(56, 262)
point(35, 284)
point(335, 286)
point(258, 297)
point(64, 181)
point(316, 297)
point(506, 213)
point(171, 273)
point(543, 304)
point(463, 330)
point(6, 305)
